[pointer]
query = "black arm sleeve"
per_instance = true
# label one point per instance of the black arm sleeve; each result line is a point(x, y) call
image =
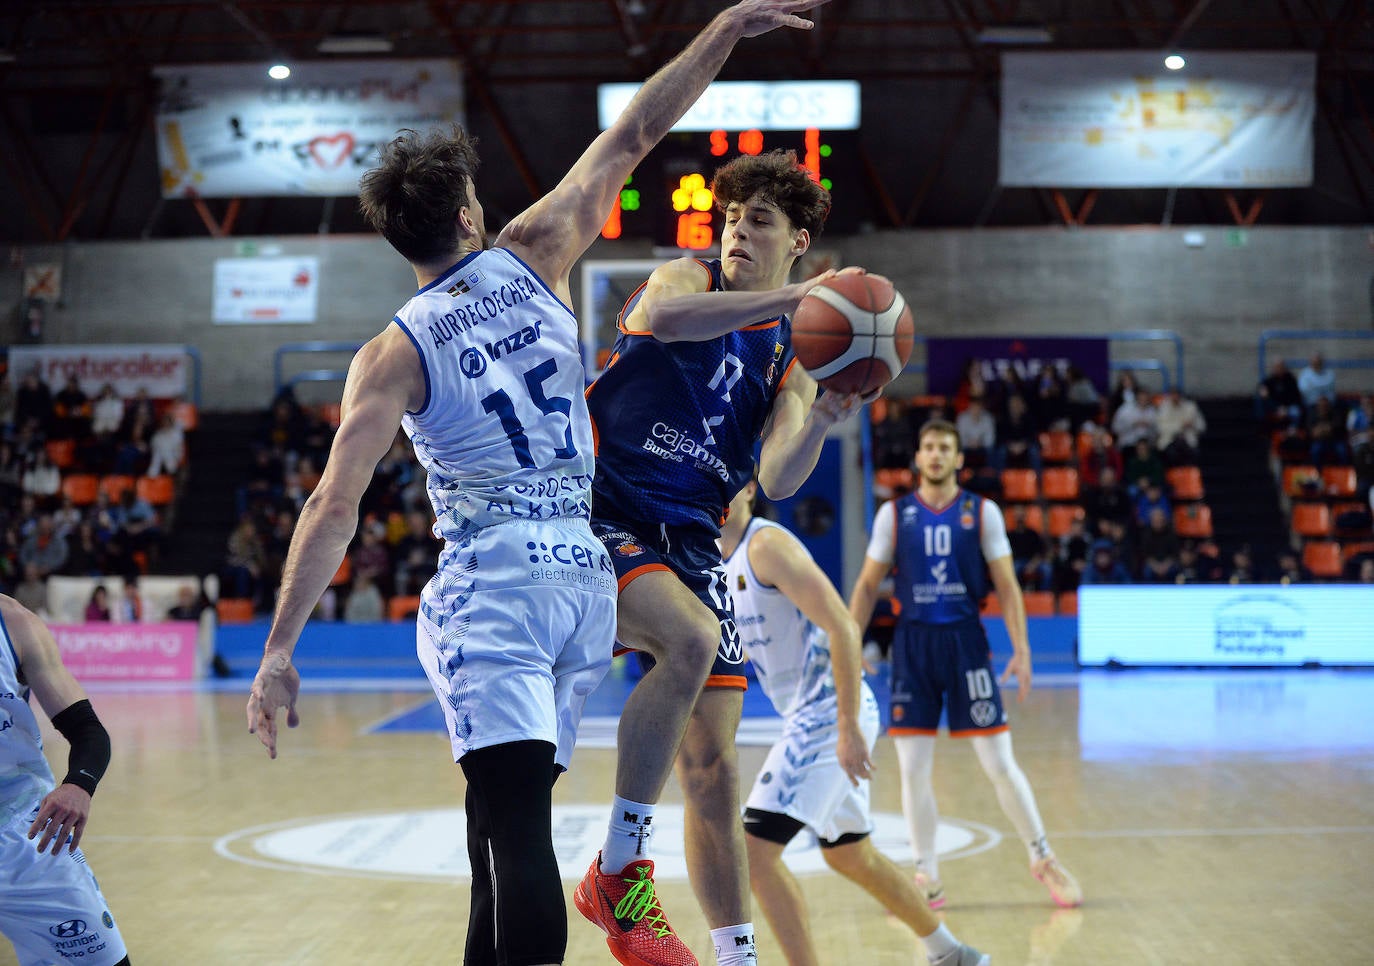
point(90, 754)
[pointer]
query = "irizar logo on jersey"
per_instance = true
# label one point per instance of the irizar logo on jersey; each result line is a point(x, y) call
point(516, 341)
point(673, 444)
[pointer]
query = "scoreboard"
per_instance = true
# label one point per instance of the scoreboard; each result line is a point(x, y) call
point(668, 197)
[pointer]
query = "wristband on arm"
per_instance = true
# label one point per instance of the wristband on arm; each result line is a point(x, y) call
point(90, 754)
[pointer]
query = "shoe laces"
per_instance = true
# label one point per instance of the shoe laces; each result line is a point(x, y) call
point(641, 904)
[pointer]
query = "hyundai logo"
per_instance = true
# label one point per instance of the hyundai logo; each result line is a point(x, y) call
point(69, 929)
point(472, 363)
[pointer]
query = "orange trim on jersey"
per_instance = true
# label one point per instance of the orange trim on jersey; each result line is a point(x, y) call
point(975, 732)
point(932, 732)
point(638, 572)
point(618, 649)
point(759, 326)
point(785, 374)
point(596, 434)
point(620, 319)
point(737, 681)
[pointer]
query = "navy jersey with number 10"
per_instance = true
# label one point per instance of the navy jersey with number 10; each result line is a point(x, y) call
point(941, 576)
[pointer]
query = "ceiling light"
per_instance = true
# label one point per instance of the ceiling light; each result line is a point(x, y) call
point(279, 72)
point(1012, 33)
point(355, 44)
point(1174, 62)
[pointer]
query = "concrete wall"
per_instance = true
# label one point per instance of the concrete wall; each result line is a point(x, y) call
point(1219, 297)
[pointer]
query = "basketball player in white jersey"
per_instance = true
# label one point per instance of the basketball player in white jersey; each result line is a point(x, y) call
point(482, 368)
point(805, 650)
point(50, 905)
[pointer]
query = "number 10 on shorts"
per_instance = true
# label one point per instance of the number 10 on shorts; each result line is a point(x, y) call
point(979, 684)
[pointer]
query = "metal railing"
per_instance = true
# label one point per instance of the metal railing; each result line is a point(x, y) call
point(1312, 335)
point(280, 381)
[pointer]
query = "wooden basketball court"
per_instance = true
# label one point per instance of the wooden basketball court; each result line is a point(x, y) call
point(1212, 819)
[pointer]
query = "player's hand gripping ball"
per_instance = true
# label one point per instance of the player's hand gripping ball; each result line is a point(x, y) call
point(853, 333)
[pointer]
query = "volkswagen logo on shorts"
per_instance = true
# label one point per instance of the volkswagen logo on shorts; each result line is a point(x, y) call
point(983, 713)
point(472, 363)
point(69, 929)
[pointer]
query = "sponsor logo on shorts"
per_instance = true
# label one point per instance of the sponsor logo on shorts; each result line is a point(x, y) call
point(107, 919)
point(628, 548)
point(898, 713)
point(765, 778)
point(570, 563)
point(69, 929)
point(983, 713)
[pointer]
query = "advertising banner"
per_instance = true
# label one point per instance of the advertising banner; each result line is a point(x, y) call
point(129, 652)
point(1121, 119)
point(753, 105)
point(163, 370)
point(228, 130)
point(283, 289)
point(1229, 626)
point(947, 358)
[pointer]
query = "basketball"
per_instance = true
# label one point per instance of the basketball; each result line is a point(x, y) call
point(853, 333)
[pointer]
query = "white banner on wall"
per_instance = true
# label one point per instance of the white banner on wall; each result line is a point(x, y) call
point(163, 370)
point(259, 290)
point(753, 105)
point(229, 130)
point(1120, 119)
point(1242, 625)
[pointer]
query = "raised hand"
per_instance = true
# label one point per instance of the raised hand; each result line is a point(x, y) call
point(760, 16)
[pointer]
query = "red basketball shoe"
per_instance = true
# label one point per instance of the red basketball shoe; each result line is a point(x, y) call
point(627, 909)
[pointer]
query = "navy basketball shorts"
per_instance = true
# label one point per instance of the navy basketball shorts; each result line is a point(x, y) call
point(944, 666)
point(692, 555)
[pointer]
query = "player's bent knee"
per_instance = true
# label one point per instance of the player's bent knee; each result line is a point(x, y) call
point(848, 853)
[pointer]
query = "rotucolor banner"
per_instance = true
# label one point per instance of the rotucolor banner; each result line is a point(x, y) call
point(129, 652)
point(1121, 119)
point(163, 370)
point(228, 130)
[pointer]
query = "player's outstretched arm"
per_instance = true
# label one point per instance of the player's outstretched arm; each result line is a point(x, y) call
point(384, 380)
point(553, 233)
point(63, 813)
point(778, 558)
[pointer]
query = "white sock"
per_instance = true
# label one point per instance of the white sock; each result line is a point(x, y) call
point(1039, 849)
point(1013, 790)
point(735, 945)
point(940, 943)
point(627, 839)
point(916, 759)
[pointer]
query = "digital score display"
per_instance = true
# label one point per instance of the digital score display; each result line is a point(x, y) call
point(668, 198)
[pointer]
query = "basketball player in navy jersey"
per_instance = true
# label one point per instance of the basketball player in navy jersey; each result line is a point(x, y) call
point(50, 905)
point(483, 370)
point(805, 650)
point(702, 370)
point(936, 541)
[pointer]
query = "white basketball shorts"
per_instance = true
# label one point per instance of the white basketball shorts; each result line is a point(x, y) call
point(50, 905)
point(516, 630)
point(802, 777)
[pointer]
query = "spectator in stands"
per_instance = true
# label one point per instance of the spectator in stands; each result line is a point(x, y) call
point(98, 607)
point(1029, 555)
point(138, 414)
point(1278, 398)
point(1135, 420)
point(6, 405)
point(1099, 455)
point(1327, 434)
point(1104, 567)
point(1144, 467)
point(892, 435)
point(1149, 500)
point(265, 478)
point(243, 565)
point(1211, 568)
point(43, 480)
point(32, 591)
point(1125, 388)
point(371, 558)
point(1107, 501)
point(1071, 557)
point(132, 453)
point(86, 555)
point(284, 429)
point(1181, 425)
point(11, 474)
point(107, 412)
point(43, 549)
point(66, 518)
point(1359, 428)
point(1187, 571)
point(1159, 548)
point(1243, 567)
point(978, 433)
point(1291, 570)
point(27, 517)
point(189, 605)
point(1316, 381)
point(416, 554)
point(71, 411)
point(275, 544)
point(167, 448)
point(139, 524)
point(33, 405)
point(1051, 407)
point(971, 383)
point(364, 602)
point(129, 608)
point(1366, 572)
point(1018, 436)
point(1085, 402)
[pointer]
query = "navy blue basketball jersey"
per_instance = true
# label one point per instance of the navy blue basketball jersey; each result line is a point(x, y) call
point(940, 574)
point(676, 422)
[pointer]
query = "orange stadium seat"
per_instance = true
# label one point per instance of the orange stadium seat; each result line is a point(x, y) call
point(61, 453)
point(1039, 603)
point(1062, 516)
point(1056, 447)
point(400, 609)
point(1019, 486)
point(891, 479)
point(114, 485)
point(234, 610)
point(1301, 480)
point(1312, 519)
point(331, 414)
point(1338, 481)
point(1061, 483)
point(1352, 550)
point(1035, 517)
point(1323, 558)
point(992, 606)
point(157, 490)
point(1185, 482)
point(80, 488)
point(1068, 604)
point(344, 575)
point(1193, 521)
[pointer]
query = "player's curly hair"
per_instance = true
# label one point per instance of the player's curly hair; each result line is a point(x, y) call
point(777, 178)
point(413, 195)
